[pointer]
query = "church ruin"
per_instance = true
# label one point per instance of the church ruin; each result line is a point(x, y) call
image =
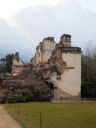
point(59, 64)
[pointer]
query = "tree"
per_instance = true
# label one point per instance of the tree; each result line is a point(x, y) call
point(9, 61)
point(6, 63)
point(2, 65)
point(89, 72)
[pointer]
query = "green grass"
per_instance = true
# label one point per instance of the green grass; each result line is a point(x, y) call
point(54, 115)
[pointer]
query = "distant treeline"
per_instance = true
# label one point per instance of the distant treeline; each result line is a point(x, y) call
point(88, 88)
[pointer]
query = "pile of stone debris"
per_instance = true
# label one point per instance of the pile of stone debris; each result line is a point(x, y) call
point(25, 87)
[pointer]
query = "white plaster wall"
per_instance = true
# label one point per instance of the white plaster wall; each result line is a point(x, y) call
point(71, 78)
point(69, 58)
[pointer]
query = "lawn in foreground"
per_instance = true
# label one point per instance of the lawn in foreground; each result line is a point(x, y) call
point(54, 115)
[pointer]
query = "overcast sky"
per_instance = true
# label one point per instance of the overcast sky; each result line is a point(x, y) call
point(24, 23)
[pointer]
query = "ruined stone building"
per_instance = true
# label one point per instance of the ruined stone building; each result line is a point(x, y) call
point(60, 66)
point(18, 65)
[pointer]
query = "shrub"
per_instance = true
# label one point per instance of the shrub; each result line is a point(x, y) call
point(2, 98)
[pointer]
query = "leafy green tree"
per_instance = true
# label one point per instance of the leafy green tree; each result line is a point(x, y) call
point(37, 94)
point(2, 65)
point(9, 61)
point(6, 63)
point(89, 72)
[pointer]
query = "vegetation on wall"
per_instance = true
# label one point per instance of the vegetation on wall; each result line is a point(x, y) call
point(26, 95)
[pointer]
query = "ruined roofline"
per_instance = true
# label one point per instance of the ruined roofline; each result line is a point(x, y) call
point(66, 49)
point(49, 38)
point(71, 49)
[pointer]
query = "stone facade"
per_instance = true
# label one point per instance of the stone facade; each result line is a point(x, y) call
point(62, 67)
point(44, 51)
point(69, 84)
point(65, 40)
point(59, 65)
point(18, 65)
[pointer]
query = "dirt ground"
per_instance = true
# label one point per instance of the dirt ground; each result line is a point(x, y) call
point(6, 121)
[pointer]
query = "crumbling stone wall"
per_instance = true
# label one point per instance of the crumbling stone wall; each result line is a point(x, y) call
point(43, 51)
point(59, 66)
point(48, 47)
point(63, 69)
point(18, 65)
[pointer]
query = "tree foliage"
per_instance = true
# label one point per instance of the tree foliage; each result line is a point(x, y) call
point(89, 72)
point(6, 63)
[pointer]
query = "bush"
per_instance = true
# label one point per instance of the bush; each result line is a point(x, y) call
point(37, 94)
point(2, 98)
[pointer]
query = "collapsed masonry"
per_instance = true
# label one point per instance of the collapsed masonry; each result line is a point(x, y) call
point(18, 65)
point(59, 65)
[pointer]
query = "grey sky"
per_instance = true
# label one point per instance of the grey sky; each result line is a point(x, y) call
point(27, 26)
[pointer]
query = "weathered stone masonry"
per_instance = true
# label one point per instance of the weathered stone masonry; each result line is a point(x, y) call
point(60, 65)
point(44, 51)
point(18, 65)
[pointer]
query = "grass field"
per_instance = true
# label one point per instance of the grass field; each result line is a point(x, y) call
point(54, 115)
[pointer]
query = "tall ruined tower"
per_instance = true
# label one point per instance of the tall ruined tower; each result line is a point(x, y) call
point(48, 47)
point(44, 51)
